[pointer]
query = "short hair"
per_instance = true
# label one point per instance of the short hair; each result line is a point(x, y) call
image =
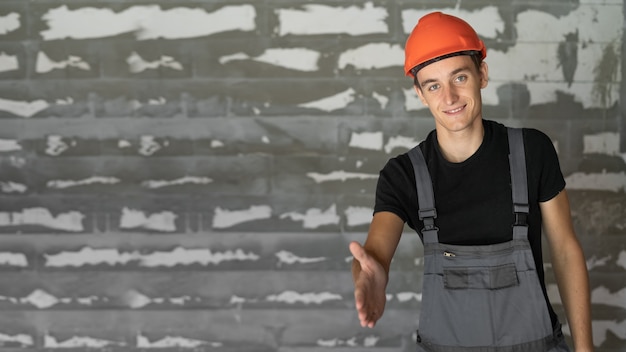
point(473, 54)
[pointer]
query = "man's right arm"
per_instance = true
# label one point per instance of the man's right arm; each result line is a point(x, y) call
point(370, 267)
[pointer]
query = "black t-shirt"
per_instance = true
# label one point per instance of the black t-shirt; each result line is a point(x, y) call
point(473, 198)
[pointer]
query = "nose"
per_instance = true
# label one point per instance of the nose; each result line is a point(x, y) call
point(449, 94)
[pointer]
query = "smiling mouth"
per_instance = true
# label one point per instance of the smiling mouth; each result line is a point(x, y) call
point(454, 111)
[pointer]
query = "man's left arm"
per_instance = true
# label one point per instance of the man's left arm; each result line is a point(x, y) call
point(570, 269)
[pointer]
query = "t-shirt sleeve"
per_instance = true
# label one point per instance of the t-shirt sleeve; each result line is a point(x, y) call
point(392, 189)
point(545, 162)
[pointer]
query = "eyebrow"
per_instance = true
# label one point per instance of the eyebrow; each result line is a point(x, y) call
point(460, 69)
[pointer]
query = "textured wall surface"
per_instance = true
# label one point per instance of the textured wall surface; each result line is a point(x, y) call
point(186, 175)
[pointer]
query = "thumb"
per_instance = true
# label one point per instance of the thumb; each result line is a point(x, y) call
point(358, 252)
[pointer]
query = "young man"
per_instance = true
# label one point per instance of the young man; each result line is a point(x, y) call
point(483, 286)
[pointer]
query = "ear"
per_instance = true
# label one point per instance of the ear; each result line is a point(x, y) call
point(420, 94)
point(484, 74)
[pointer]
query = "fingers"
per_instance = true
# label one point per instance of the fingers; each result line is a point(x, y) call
point(358, 252)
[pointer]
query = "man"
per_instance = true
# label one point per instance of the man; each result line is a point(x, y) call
point(483, 284)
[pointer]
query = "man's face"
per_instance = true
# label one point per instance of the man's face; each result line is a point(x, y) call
point(451, 90)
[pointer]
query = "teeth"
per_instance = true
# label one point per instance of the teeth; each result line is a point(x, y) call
point(455, 110)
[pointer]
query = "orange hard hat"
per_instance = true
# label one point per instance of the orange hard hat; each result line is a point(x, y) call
point(437, 34)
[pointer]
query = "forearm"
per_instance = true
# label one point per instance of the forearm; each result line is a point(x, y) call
point(573, 281)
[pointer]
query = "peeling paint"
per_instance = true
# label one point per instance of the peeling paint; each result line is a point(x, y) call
point(153, 184)
point(485, 28)
point(9, 145)
point(400, 142)
point(602, 143)
point(55, 145)
point(23, 108)
point(148, 145)
point(145, 22)
point(164, 221)
point(594, 262)
point(621, 259)
point(79, 341)
point(602, 295)
point(312, 19)
point(69, 221)
point(13, 259)
point(300, 59)
point(290, 258)
point(62, 184)
point(409, 296)
point(40, 299)
point(339, 176)
point(372, 56)
point(177, 256)
point(22, 339)
point(8, 62)
point(224, 218)
point(292, 297)
point(9, 22)
point(381, 99)
point(314, 217)
point(45, 64)
point(174, 341)
point(601, 329)
point(137, 64)
point(367, 140)
point(605, 181)
point(335, 102)
point(356, 216)
point(12, 187)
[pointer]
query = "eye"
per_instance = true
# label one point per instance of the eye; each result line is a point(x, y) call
point(433, 87)
point(461, 79)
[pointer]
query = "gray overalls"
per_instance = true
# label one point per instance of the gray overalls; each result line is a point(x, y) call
point(484, 298)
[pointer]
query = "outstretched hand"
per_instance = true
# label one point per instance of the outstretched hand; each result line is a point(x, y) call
point(369, 286)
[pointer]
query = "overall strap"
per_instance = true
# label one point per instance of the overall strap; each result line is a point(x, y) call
point(425, 196)
point(519, 183)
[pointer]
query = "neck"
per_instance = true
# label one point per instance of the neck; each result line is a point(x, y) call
point(458, 146)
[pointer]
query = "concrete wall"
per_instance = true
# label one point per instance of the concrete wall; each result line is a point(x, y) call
point(186, 175)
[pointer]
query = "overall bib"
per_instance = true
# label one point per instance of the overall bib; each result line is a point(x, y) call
point(484, 298)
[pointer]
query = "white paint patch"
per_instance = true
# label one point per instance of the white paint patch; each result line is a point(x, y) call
point(265, 140)
point(486, 21)
point(601, 329)
point(602, 143)
point(367, 140)
point(372, 56)
point(9, 145)
point(605, 181)
point(148, 145)
point(401, 142)
point(409, 296)
point(45, 64)
point(8, 62)
point(56, 146)
point(621, 260)
point(89, 256)
point(602, 295)
point(40, 299)
point(22, 339)
point(340, 176)
point(290, 258)
point(352, 342)
point(146, 22)
point(358, 215)
point(79, 342)
point(381, 99)
point(312, 19)
point(292, 297)
point(314, 217)
point(12, 187)
point(174, 342)
point(23, 108)
point(164, 221)
point(135, 299)
point(137, 64)
point(594, 262)
point(152, 184)
point(9, 22)
point(62, 184)
point(216, 144)
point(224, 218)
point(335, 102)
point(13, 259)
point(412, 101)
point(184, 256)
point(70, 221)
point(300, 59)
